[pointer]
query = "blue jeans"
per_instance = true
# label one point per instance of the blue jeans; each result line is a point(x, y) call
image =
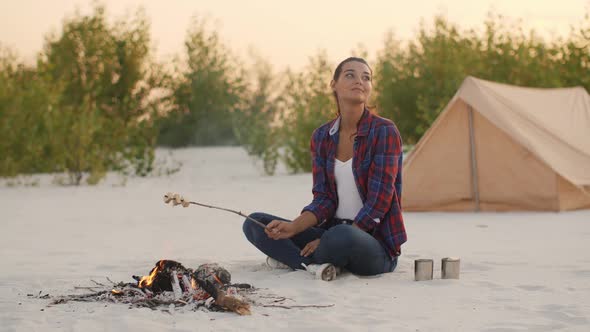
point(343, 245)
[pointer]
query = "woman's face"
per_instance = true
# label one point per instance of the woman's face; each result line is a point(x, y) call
point(354, 83)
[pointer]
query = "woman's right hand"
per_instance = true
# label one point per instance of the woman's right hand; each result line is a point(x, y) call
point(278, 229)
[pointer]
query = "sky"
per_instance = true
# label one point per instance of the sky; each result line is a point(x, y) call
point(286, 33)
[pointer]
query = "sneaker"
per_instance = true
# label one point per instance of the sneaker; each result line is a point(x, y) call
point(274, 264)
point(326, 271)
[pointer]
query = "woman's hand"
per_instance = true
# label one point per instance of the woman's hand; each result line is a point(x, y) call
point(278, 229)
point(310, 247)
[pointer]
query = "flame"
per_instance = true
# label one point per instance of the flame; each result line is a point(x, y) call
point(146, 282)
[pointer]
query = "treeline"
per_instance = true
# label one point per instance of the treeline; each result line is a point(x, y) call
point(96, 100)
point(87, 106)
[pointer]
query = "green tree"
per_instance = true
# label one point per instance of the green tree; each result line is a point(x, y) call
point(255, 122)
point(104, 81)
point(206, 92)
point(24, 101)
point(416, 80)
point(414, 83)
point(308, 103)
point(573, 58)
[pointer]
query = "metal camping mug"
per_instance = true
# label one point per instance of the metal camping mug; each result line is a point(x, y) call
point(423, 269)
point(450, 268)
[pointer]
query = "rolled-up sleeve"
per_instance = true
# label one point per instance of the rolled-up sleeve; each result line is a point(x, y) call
point(381, 178)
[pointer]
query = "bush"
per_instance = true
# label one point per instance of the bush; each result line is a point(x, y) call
point(87, 107)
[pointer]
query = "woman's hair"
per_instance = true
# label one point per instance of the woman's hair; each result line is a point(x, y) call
point(338, 71)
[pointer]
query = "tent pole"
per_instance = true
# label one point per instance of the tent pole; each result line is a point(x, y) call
point(473, 161)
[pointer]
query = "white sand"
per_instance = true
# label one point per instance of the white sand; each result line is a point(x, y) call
point(520, 271)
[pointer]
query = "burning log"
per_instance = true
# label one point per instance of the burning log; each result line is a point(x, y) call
point(176, 285)
point(227, 302)
point(213, 273)
point(160, 277)
point(188, 285)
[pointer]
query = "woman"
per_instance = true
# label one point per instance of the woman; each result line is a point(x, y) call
point(354, 221)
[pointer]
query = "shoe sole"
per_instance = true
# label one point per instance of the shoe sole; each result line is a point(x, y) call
point(329, 273)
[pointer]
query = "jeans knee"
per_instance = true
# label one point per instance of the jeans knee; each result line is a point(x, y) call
point(246, 228)
point(247, 225)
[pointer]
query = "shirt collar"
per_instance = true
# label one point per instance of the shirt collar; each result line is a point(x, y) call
point(335, 127)
point(363, 126)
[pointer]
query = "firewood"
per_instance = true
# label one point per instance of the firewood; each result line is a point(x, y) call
point(209, 286)
point(176, 285)
point(225, 301)
point(128, 293)
point(233, 304)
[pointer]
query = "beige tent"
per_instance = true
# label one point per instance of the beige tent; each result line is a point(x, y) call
point(497, 147)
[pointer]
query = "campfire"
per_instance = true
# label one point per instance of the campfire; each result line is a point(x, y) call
point(170, 283)
point(171, 286)
point(208, 281)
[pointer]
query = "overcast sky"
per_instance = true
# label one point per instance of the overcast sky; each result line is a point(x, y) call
point(286, 32)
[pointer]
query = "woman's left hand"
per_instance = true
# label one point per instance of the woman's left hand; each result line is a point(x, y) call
point(310, 247)
point(278, 229)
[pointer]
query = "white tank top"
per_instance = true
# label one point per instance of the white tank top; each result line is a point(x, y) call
point(349, 199)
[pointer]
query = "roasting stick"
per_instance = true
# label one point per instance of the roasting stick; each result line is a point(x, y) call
point(176, 199)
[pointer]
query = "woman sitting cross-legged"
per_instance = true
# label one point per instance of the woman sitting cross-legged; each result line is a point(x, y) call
point(355, 219)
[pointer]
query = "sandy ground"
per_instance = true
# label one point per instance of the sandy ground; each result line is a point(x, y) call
point(520, 271)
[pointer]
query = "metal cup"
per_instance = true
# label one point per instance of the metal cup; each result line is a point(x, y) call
point(450, 268)
point(423, 269)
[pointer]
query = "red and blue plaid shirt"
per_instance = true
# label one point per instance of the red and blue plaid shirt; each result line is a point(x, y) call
point(377, 167)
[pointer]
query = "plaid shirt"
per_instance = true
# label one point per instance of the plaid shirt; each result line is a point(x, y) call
point(377, 167)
